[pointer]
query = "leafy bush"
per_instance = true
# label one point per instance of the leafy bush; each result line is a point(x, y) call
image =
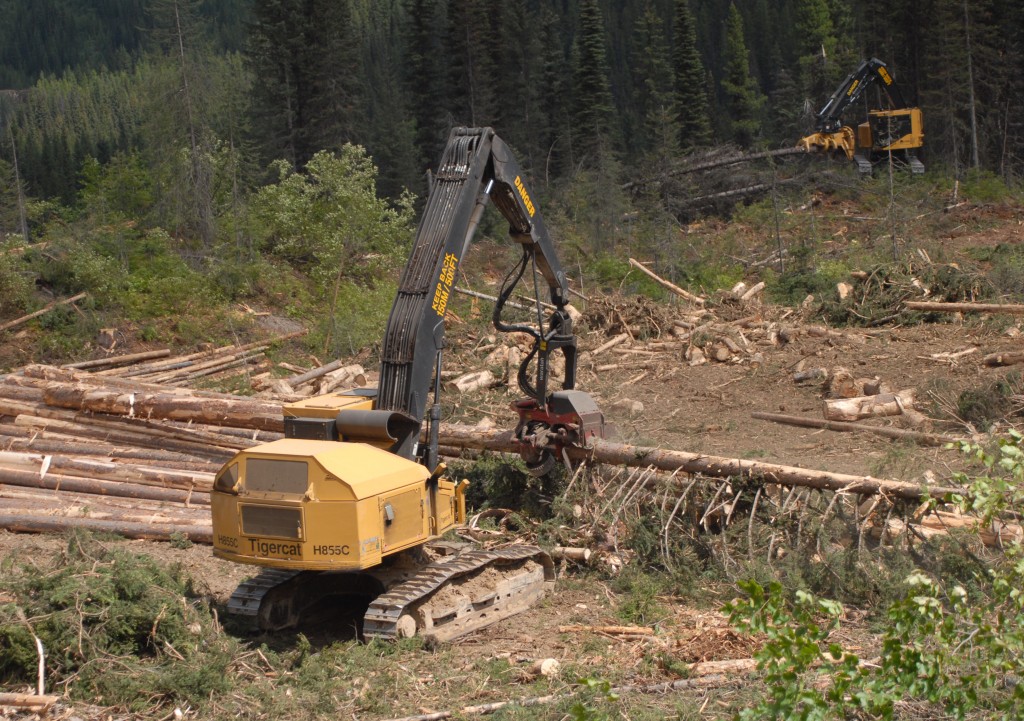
point(945, 647)
point(330, 220)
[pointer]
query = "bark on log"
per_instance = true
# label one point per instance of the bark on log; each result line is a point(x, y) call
point(315, 373)
point(28, 701)
point(120, 489)
point(42, 311)
point(666, 284)
point(613, 630)
point(624, 454)
point(620, 338)
point(855, 409)
point(108, 435)
point(1003, 359)
point(119, 360)
point(473, 381)
point(28, 439)
point(107, 470)
point(50, 524)
point(216, 411)
point(1009, 308)
point(928, 439)
point(581, 555)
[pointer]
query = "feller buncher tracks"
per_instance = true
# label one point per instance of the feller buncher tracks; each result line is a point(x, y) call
point(446, 599)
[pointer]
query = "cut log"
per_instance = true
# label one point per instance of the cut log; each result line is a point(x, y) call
point(298, 380)
point(215, 411)
point(119, 360)
point(666, 284)
point(107, 470)
point(612, 630)
point(1012, 309)
point(624, 454)
point(752, 291)
point(928, 439)
point(28, 701)
point(1003, 359)
point(52, 524)
point(120, 489)
point(473, 381)
point(580, 555)
point(546, 667)
point(855, 409)
point(621, 338)
point(42, 311)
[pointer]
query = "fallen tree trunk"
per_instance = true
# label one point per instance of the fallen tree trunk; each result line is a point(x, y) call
point(107, 470)
point(666, 284)
point(50, 524)
point(119, 360)
point(855, 409)
point(27, 701)
point(928, 439)
point(1003, 359)
point(1010, 308)
point(42, 311)
point(119, 489)
point(215, 411)
point(624, 454)
point(488, 708)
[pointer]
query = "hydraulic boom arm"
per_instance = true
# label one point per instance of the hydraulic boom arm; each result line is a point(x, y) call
point(829, 118)
point(476, 166)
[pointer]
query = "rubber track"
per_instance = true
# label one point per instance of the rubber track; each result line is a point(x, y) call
point(382, 616)
point(248, 596)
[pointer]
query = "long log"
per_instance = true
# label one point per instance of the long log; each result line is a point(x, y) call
point(107, 470)
point(32, 502)
point(31, 702)
point(120, 489)
point(32, 439)
point(216, 411)
point(1010, 308)
point(177, 361)
point(666, 284)
point(50, 524)
point(119, 360)
point(928, 439)
point(108, 435)
point(42, 311)
point(624, 454)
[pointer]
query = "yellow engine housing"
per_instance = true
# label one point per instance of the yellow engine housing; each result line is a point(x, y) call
point(327, 505)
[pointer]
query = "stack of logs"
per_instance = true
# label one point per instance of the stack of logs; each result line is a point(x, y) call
point(118, 453)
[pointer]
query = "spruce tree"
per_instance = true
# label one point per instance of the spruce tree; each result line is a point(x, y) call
point(425, 74)
point(691, 97)
point(654, 89)
point(593, 106)
point(305, 63)
point(743, 99)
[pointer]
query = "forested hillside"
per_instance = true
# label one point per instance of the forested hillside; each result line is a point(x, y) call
point(142, 129)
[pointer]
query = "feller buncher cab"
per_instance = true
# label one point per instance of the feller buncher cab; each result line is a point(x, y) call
point(346, 503)
point(897, 131)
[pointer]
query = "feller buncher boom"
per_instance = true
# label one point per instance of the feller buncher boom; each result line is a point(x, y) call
point(347, 502)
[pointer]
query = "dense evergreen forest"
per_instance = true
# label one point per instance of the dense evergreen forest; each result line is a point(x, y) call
point(182, 116)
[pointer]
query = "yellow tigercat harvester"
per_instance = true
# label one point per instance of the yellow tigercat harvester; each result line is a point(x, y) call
point(347, 502)
point(897, 131)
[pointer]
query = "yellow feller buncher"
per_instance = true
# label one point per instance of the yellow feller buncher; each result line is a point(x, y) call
point(349, 502)
point(895, 132)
